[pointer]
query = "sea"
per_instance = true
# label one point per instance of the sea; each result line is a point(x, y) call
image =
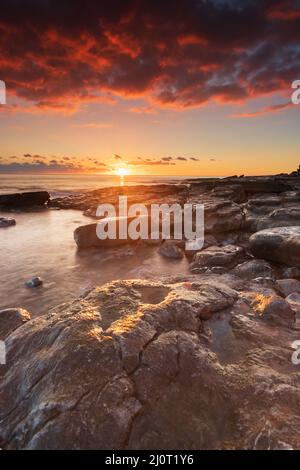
point(42, 244)
point(61, 184)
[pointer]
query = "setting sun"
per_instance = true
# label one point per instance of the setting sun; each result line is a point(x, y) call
point(122, 172)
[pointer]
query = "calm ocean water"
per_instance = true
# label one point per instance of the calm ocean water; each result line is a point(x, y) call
point(42, 244)
point(61, 184)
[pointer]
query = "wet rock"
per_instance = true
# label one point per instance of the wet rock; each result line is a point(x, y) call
point(34, 282)
point(265, 185)
point(155, 239)
point(29, 199)
point(223, 216)
point(209, 240)
point(294, 302)
point(265, 281)
point(290, 197)
point(253, 269)
point(263, 205)
point(7, 222)
point(85, 236)
point(218, 270)
point(11, 319)
point(281, 244)
point(274, 309)
point(169, 249)
point(288, 286)
point(288, 273)
point(283, 217)
point(226, 257)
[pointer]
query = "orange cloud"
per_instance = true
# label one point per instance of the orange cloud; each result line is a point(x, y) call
point(277, 108)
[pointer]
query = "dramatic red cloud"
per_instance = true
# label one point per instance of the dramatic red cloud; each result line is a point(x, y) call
point(59, 55)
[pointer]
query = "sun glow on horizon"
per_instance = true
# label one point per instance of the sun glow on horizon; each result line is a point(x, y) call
point(122, 172)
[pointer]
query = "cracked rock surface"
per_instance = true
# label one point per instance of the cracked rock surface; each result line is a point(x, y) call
point(179, 363)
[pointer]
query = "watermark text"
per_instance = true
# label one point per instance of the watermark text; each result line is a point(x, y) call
point(2, 92)
point(161, 221)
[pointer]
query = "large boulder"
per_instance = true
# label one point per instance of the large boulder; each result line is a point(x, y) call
point(86, 236)
point(279, 244)
point(30, 199)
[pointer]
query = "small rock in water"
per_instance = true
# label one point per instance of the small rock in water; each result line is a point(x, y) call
point(34, 282)
point(7, 222)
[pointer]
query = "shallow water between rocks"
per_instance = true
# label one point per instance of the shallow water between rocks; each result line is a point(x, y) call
point(42, 244)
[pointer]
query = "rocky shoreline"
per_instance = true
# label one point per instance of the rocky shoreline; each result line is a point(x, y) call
point(202, 361)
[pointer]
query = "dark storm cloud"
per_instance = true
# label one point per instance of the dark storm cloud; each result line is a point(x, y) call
point(183, 53)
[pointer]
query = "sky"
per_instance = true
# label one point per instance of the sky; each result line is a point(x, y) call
point(145, 87)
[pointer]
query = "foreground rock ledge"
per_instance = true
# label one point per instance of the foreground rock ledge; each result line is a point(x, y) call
point(182, 363)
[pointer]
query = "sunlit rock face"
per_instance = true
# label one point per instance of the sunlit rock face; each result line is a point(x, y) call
point(184, 363)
